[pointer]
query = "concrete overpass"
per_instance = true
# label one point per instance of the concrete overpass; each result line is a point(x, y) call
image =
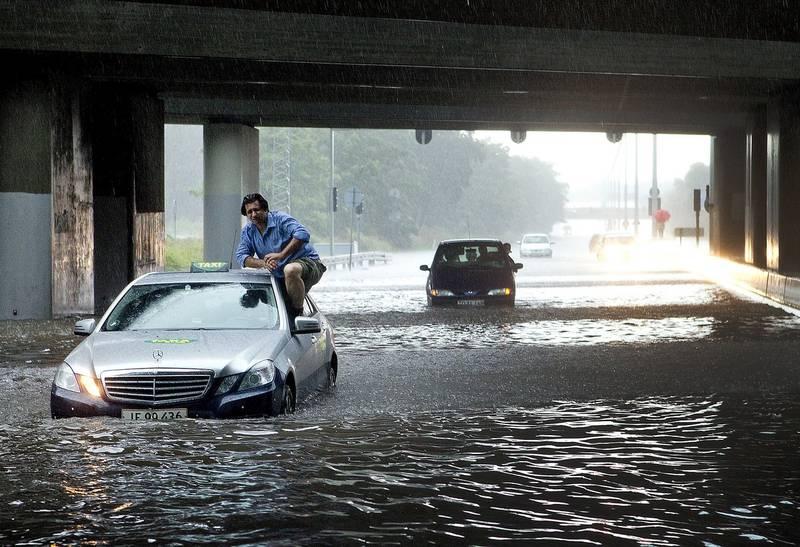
point(89, 85)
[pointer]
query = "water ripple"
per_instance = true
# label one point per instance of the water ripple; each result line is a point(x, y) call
point(650, 471)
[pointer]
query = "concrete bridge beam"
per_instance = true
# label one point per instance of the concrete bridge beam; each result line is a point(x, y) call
point(128, 135)
point(755, 238)
point(81, 195)
point(25, 202)
point(727, 215)
point(231, 171)
point(783, 185)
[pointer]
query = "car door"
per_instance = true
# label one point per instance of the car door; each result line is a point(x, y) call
point(310, 361)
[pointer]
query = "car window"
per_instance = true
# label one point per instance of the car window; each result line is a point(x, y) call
point(208, 306)
point(467, 255)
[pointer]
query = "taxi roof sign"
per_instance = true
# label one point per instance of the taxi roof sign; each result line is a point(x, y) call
point(198, 267)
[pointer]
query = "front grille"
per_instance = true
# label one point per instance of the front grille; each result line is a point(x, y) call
point(156, 387)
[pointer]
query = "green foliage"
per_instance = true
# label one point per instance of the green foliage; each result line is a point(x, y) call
point(455, 186)
point(181, 252)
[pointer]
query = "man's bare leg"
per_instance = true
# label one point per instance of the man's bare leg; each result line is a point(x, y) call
point(294, 284)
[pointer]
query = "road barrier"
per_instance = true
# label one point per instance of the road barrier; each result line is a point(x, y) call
point(358, 259)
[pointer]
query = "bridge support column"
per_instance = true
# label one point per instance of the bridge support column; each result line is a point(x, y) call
point(755, 220)
point(727, 224)
point(231, 171)
point(25, 202)
point(783, 186)
point(128, 133)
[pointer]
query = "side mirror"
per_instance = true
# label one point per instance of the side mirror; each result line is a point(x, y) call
point(84, 327)
point(424, 268)
point(306, 325)
point(517, 266)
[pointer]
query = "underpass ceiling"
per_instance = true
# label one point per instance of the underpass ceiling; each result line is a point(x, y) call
point(227, 61)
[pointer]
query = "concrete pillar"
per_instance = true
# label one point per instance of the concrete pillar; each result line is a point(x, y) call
point(755, 220)
point(25, 202)
point(231, 171)
point(73, 208)
point(727, 224)
point(128, 131)
point(783, 185)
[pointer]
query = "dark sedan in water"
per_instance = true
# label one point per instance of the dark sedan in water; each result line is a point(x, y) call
point(203, 345)
point(471, 272)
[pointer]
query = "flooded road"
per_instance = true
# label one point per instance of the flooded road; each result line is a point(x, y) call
point(647, 407)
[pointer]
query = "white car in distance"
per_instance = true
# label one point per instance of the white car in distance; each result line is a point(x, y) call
point(535, 245)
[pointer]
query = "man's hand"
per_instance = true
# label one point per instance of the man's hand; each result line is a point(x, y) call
point(271, 261)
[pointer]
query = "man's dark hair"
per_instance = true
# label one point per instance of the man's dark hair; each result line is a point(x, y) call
point(252, 198)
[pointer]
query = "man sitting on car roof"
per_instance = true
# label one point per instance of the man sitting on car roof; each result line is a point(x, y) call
point(282, 244)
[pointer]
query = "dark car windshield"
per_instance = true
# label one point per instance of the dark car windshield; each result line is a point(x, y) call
point(174, 306)
point(465, 255)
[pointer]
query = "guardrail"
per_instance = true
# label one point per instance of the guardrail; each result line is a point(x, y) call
point(358, 259)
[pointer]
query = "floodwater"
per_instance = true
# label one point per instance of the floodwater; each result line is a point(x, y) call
point(661, 411)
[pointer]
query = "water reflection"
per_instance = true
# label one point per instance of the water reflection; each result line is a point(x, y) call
point(653, 471)
point(413, 300)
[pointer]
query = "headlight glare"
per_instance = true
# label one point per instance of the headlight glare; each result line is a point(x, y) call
point(90, 385)
point(260, 374)
point(500, 292)
point(65, 378)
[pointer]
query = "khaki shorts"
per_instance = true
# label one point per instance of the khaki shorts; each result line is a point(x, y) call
point(312, 271)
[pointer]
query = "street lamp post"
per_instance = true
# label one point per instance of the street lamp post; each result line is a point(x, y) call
point(332, 193)
point(636, 184)
point(654, 199)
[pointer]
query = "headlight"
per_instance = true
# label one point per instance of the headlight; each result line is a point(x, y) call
point(227, 383)
point(441, 292)
point(90, 385)
point(500, 292)
point(260, 374)
point(65, 378)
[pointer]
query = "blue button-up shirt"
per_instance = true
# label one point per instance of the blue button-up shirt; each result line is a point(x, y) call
point(281, 229)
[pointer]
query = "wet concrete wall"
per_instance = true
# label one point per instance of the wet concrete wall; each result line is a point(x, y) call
point(128, 130)
point(728, 169)
point(755, 243)
point(783, 186)
point(25, 202)
point(73, 207)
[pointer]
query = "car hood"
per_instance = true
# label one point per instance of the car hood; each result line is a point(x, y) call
point(460, 280)
point(223, 352)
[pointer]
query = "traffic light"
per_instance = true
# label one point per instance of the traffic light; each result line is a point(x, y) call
point(360, 208)
point(334, 199)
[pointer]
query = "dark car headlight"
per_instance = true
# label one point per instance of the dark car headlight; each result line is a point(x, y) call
point(260, 374)
point(441, 292)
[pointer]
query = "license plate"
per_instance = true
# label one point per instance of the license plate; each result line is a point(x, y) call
point(470, 302)
point(153, 415)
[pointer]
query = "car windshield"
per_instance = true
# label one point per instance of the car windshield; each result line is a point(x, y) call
point(534, 239)
point(188, 306)
point(465, 255)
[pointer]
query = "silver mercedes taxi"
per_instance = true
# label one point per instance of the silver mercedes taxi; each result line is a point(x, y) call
point(198, 345)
